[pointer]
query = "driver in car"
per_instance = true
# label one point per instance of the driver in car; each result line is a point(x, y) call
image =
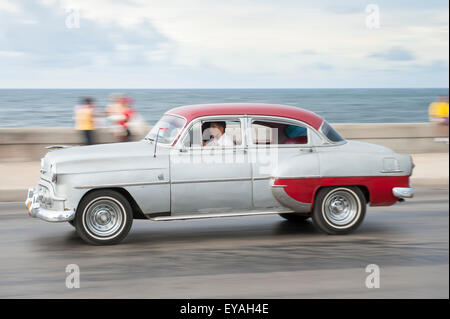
point(218, 135)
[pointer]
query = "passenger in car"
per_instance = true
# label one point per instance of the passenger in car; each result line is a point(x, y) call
point(219, 136)
point(295, 135)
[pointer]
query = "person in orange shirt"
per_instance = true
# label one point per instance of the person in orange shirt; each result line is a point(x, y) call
point(84, 119)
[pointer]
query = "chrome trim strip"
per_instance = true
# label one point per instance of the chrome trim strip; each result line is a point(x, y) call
point(116, 170)
point(121, 185)
point(392, 171)
point(213, 215)
point(166, 182)
point(262, 178)
point(284, 199)
point(297, 177)
point(245, 179)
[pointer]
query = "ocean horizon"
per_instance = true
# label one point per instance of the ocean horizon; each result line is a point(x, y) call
point(54, 107)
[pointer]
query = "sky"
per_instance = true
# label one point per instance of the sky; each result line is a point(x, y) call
point(224, 44)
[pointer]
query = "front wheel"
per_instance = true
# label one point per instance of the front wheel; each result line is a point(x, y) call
point(339, 210)
point(103, 217)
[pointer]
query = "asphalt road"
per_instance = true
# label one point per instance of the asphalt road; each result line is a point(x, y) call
point(244, 257)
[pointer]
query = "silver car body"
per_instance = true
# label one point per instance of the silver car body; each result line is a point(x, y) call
point(175, 180)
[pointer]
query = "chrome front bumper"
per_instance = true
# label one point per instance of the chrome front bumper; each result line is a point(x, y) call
point(403, 192)
point(34, 209)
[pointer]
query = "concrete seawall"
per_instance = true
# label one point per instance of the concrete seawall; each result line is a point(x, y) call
point(28, 144)
point(409, 138)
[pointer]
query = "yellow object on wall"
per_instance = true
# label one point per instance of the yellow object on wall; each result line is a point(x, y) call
point(438, 111)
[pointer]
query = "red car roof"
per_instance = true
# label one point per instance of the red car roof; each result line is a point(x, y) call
point(191, 112)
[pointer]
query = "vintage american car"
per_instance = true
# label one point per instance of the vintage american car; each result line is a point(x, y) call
point(220, 160)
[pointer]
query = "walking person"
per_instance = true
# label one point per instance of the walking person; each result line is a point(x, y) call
point(120, 113)
point(84, 120)
point(127, 114)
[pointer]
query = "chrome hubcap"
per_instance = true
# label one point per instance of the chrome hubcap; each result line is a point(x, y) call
point(341, 208)
point(104, 217)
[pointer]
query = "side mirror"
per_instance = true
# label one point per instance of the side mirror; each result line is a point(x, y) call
point(156, 140)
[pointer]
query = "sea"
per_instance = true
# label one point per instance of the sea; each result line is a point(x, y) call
point(54, 107)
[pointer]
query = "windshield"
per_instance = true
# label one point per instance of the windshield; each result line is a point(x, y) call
point(331, 133)
point(167, 129)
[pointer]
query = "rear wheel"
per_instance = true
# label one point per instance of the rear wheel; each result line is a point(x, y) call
point(339, 210)
point(294, 217)
point(103, 217)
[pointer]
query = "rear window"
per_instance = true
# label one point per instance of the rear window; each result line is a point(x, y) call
point(331, 133)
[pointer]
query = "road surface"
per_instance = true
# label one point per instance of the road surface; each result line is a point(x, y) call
point(243, 257)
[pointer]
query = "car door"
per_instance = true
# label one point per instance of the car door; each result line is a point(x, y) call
point(210, 179)
point(274, 154)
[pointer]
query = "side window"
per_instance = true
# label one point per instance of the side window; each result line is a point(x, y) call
point(223, 133)
point(193, 138)
point(331, 133)
point(278, 133)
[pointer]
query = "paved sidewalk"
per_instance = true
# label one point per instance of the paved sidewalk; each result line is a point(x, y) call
point(431, 169)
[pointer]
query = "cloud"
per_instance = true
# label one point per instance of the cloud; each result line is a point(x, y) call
point(322, 66)
point(435, 67)
point(8, 6)
point(394, 54)
point(344, 9)
point(11, 54)
point(50, 43)
point(308, 52)
point(214, 43)
point(236, 36)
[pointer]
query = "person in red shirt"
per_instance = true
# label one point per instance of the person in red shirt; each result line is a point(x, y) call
point(127, 113)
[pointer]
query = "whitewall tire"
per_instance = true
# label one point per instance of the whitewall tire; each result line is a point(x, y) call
point(104, 217)
point(339, 210)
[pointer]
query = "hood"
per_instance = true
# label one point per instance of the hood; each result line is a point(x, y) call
point(102, 157)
